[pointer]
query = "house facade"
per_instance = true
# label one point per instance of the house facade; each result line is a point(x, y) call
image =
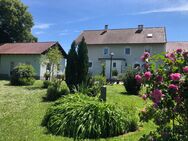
point(119, 49)
point(12, 54)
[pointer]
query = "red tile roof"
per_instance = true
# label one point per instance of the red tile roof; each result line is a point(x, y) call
point(172, 46)
point(26, 48)
point(124, 36)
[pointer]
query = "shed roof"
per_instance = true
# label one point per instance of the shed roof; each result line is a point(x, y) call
point(27, 48)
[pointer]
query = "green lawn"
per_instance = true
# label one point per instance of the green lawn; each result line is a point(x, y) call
point(22, 110)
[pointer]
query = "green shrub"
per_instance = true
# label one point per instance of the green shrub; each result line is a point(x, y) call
point(93, 86)
point(46, 84)
point(101, 80)
point(56, 90)
point(114, 73)
point(81, 117)
point(130, 83)
point(22, 75)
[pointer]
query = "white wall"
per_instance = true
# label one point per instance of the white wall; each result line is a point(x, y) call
point(6, 60)
point(96, 51)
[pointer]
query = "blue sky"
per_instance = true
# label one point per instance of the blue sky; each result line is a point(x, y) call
point(63, 20)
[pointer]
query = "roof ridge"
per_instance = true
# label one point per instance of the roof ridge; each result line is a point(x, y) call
point(32, 42)
point(177, 42)
point(123, 28)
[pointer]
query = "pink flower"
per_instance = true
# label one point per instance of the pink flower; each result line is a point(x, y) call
point(159, 79)
point(145, 56)
point(185, 69)
point(179, 51)
point(138, 78)
point(144, 97)
point(175, 76)
point(171, 56)
point(157, 95)
point(173, 87)
point(147, 75)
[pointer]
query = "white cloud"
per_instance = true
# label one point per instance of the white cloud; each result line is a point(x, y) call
point(39, 32)
point(175, 8)
point(42, 26)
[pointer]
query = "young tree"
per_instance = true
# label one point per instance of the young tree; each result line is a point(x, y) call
point(71, 68)
point(53, 58)
point(15, 22)
point(83, 62)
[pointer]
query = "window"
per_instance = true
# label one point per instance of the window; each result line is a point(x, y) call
point(147, 50)
point(90, 64)
point(48, 67)
point(106, 51)
point(127, 51)
point(114, 65)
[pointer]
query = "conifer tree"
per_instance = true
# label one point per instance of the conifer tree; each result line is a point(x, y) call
point(71, 68)
point(83, 62)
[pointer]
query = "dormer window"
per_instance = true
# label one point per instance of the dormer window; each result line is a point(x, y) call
point(149, 35)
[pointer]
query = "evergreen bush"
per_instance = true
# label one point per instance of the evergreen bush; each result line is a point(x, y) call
point(130, 83)
point(22, 75)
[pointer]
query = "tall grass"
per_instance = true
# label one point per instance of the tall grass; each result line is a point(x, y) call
point(81, 117)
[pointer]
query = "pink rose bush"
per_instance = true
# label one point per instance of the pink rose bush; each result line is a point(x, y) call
point(157, 95)
point(175, 76)
point(185, 69)
point(147, 75)
point(138, 78)
point(166, 82)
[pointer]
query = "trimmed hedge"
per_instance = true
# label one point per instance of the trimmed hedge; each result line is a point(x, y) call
point(22, 75)
point(82, 117)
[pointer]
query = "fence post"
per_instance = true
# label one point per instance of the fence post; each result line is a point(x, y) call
point(103, 93)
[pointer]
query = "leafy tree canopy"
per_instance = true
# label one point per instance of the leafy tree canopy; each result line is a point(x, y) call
point(15, 22)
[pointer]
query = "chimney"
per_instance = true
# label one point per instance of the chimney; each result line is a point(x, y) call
point(106, 27)
point(140, 27)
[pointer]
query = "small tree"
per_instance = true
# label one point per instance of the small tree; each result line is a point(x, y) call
point(72, 66)
point(53, 57)
point(103, 69)
point(83, 62)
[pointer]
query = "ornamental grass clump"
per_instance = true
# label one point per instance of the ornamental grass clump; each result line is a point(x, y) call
point(56, 89)
point(166, 81)
point(80, 117)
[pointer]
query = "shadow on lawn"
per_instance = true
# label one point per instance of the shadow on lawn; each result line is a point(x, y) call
point(128, 94)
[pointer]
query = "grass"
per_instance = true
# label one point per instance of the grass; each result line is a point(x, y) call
point(22, 110)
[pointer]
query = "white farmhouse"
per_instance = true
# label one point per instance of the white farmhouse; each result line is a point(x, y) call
point(126, 46)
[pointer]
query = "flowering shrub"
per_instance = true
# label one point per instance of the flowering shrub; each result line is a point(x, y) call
point(165, 78)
